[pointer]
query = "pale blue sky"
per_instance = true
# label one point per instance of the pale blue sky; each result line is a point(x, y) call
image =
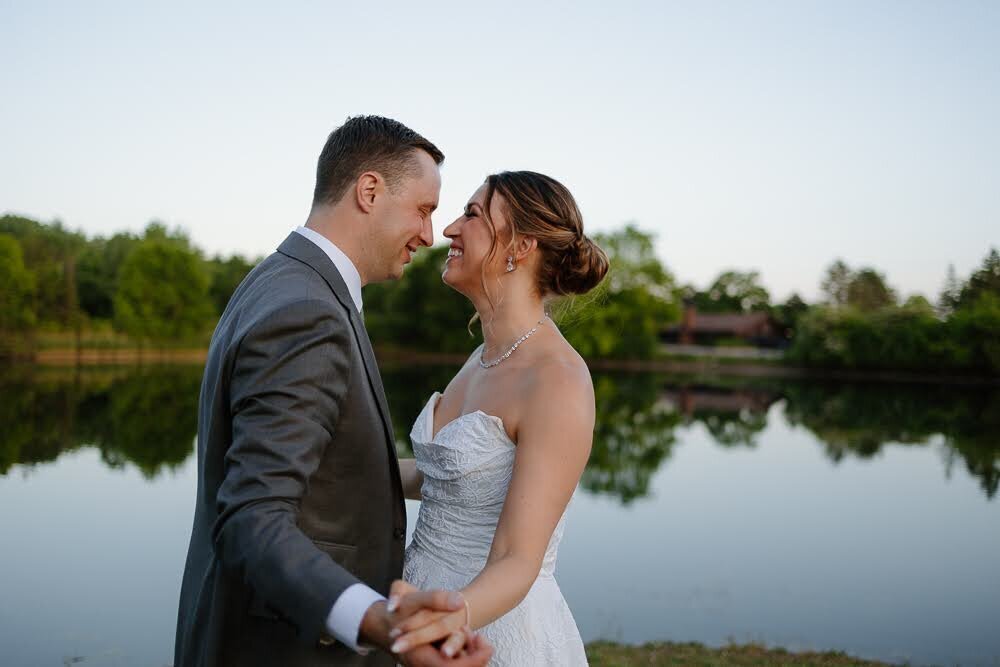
point(767, 135)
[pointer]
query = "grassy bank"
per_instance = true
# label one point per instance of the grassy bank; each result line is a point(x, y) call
point(662, 654)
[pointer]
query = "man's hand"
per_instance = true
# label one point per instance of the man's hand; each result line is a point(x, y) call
point(477, 653)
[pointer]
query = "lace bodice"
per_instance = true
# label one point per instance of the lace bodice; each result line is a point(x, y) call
point(467, 468)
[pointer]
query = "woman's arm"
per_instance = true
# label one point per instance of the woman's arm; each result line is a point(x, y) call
point(412, 479)
point(553, 447)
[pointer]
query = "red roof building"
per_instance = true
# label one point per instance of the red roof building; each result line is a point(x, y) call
point(696, 328)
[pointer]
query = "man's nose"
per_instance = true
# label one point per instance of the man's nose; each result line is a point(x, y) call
point(427, 233)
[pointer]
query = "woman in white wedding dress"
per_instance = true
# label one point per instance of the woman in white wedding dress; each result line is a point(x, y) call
point(500, 452)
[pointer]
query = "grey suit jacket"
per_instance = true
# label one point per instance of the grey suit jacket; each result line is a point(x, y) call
point(299, 494)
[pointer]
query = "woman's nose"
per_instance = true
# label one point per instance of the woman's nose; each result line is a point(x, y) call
point(452, 230)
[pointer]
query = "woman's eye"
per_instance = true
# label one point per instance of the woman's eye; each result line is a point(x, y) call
point(470, 214)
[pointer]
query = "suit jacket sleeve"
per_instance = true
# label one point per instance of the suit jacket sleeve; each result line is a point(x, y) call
point(289, 380)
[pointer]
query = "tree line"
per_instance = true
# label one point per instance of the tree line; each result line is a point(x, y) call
point(864, 325)
point(860, 322)
point(157, 286)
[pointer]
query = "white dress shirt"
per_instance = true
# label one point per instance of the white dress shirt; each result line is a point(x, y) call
point(344, 619)
point(348, 271)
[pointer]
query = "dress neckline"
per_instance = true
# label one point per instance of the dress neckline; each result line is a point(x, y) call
point(432, 409)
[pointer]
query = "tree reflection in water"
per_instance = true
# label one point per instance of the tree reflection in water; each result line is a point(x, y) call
point(733, 416)
point(633, 435)
point(861, 419)
point(145, 416)
point(148, 417)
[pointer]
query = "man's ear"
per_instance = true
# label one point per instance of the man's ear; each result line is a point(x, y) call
point(365, 189)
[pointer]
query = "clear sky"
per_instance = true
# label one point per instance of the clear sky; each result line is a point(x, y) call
point(768, 135)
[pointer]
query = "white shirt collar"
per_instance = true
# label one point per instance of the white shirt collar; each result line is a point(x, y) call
point(343, 263)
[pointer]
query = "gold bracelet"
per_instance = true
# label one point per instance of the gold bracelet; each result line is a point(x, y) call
point(468, 613)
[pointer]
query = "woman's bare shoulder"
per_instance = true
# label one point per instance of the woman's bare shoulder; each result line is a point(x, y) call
point(561, 375)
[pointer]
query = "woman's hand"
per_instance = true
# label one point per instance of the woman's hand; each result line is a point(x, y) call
point(419, 626)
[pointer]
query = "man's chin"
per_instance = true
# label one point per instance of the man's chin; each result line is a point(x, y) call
point(393, 273)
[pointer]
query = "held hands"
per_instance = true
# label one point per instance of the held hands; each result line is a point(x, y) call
point(416, 624)
point(464, 649)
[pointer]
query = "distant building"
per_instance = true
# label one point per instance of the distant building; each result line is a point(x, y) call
point(757, 329)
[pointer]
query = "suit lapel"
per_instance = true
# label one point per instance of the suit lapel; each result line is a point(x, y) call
point(304, 250)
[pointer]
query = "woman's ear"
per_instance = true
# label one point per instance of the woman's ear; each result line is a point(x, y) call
point(525, 246)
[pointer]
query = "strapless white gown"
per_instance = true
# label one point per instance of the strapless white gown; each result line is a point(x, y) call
point(467, 468)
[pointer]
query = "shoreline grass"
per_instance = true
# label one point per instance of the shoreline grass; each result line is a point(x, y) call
point(693, 654)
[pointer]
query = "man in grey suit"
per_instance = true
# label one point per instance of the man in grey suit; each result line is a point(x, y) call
point(299, 520)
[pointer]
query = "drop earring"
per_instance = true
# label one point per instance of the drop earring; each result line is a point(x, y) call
point(510, 263)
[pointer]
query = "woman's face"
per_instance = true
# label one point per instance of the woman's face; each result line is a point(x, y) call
point(470, 245)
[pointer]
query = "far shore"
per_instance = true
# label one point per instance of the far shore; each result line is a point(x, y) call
point(700, 366)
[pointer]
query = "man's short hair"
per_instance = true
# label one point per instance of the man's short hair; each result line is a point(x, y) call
point(368, 143)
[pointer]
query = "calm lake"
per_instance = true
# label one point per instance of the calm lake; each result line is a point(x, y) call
point(862, 518)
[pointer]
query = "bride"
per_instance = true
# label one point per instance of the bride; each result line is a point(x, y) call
point(500, 452)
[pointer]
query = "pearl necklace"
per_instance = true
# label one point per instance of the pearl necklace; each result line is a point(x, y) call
point(491, 364)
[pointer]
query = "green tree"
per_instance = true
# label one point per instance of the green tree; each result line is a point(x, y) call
point(17, 296)
point(973, 333)
point(835, 282)
point(50, 253)
point(986, 280)
point(158, 231)
point(734, 291)
point(97, 273)
point(420, 312)
point(867, 291)
point(787, 314)
point(864, 289)
point(918, 303)
point(162, 292)
point(624, 316)
point(950, 293)
point(227, 274)
point(902, 338)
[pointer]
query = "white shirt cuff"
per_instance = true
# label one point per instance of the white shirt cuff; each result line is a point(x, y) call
point(344, 621)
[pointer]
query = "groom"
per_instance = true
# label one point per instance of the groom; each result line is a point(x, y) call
point(299, 520)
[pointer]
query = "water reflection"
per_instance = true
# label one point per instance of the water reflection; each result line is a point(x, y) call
point(633, 435)
point(860, 420)
point(734, 416)
point(148, 417)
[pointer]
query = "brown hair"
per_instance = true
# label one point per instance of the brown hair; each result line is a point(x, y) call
point(542, 208)
point(368, 143)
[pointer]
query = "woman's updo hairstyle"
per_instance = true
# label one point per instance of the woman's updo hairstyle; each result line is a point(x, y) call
point(542, 208)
